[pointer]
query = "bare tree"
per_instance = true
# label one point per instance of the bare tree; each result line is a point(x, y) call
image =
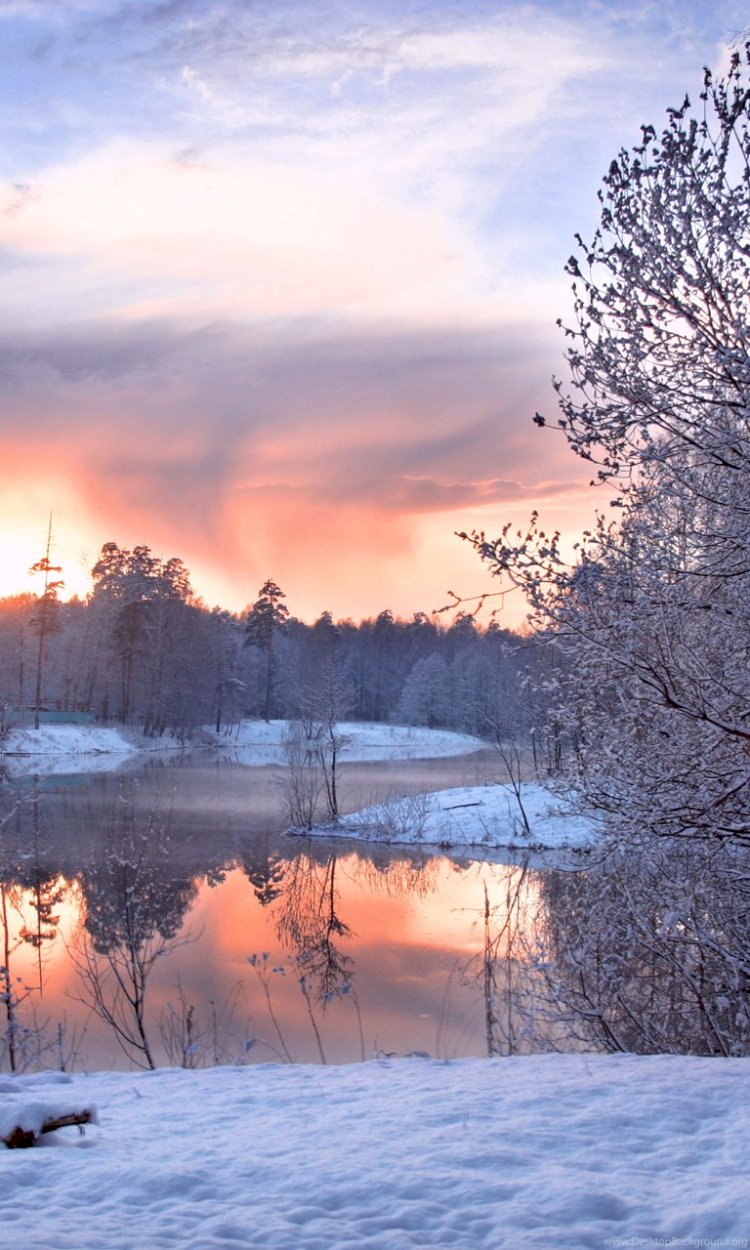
point(46, 606)
point(313, 746)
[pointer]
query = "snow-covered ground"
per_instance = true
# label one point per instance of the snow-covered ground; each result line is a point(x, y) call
point(488, 816)
point(89, 745)
point(547, 1152)
point(256, 743)
point(261, 742)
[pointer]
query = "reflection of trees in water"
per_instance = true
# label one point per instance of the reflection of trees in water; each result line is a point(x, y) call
point(30, 895)
point(43, 887)
point(305, 901)
point(265, 870)
point(411, 875)
point(502, 971)
point(45, 894)
point(134, 908)
point(303, 895)
point(501, 966)
point(120, 853)
point(20, 1044)
point(308, 922)
point(649, 951)
point(131, 891)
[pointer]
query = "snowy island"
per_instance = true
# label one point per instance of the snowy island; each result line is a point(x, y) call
point(522, 817)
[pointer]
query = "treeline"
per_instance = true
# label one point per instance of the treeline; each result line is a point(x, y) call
point(143, 650)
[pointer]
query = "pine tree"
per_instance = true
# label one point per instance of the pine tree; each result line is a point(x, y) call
point(267, 617)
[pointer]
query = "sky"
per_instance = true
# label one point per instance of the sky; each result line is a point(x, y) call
point(280, 278)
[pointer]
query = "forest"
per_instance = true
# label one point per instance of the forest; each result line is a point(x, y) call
point(142, 650)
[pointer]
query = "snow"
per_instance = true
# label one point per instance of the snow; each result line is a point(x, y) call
point(486, 816)
point(98, 748)
point(261, 742)
point(18, 1111)
point(67, 740)
point(549, 1151)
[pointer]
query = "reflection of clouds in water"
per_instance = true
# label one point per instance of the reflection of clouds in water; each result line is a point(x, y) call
point(407, 921)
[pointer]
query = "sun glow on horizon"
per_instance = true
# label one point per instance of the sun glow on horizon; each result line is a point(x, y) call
point(292, 314)
point(19, 552)
point(17, 555)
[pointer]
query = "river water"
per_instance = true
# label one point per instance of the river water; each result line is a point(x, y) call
point(232, 941)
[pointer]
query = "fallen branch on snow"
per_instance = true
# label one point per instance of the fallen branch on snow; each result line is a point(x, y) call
point(20, 1138)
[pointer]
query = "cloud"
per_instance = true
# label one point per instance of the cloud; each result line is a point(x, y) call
point(251, 449)
point(229, 236)
point(424, 494)
point(288, 167)
point(302, 389)
point(299, 162)
point(282, 275)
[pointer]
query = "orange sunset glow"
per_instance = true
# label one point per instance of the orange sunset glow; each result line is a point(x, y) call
point(438, 927)
point(309, 351)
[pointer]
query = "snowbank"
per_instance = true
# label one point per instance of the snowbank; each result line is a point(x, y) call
point(261, 742)
point(547, 1152)
point(472, 817)
point(254, 743)
point(56, 740)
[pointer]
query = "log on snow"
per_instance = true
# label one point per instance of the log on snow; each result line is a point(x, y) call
point(20, 1138)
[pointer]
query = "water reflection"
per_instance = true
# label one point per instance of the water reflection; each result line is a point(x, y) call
point(648, 951)
point(133, 909)
point(167, 921)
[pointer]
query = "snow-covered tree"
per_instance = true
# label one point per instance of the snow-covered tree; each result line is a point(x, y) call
point(426, 696)
point(656, 608)
point(45, 618)
point(648, 950)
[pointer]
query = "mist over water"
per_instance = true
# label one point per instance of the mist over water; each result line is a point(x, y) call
point(258, 946)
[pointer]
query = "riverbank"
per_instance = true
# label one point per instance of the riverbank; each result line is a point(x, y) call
point(540, 1152)
point(480, 817)
point(258, 742)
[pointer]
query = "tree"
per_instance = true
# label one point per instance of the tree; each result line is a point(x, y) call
point(221, 646)
point(655, 609)
point(16, 616)
point(267, 617)
point(145, 616)
point(314, 744)
point(326, 703)
point(646, 952)
point(425, 698)
point(47, 605)
point(649, 950)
